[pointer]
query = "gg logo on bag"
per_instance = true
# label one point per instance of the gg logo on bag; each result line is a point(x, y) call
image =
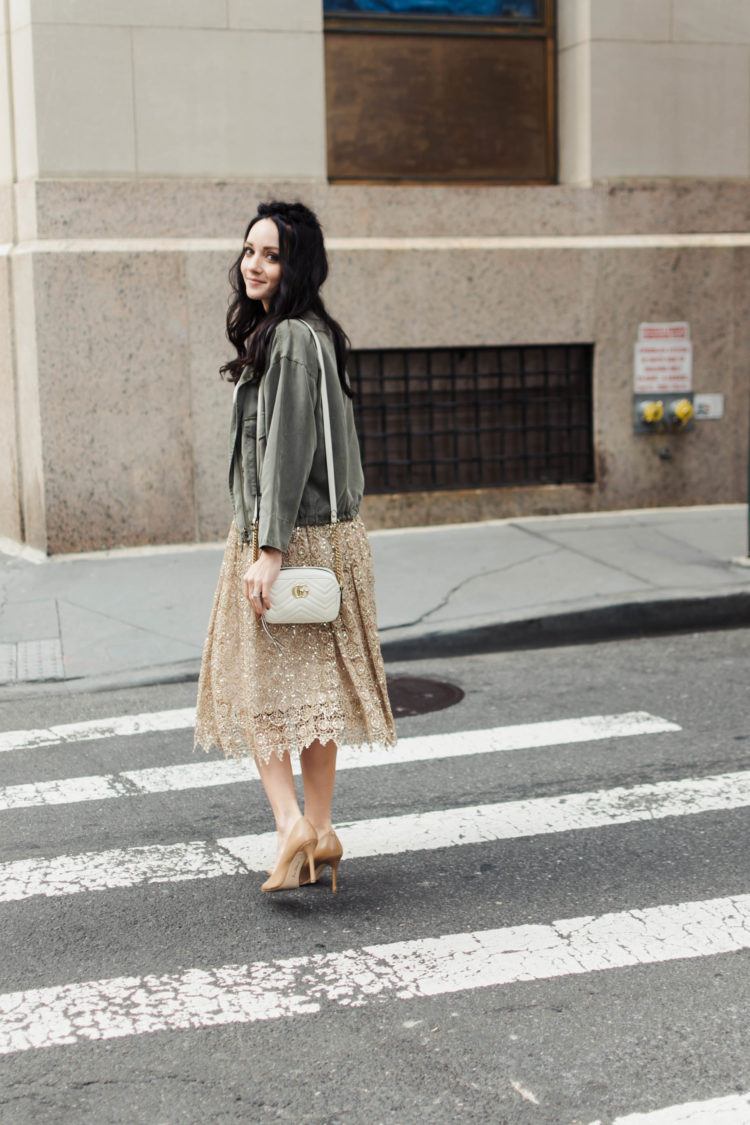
point(300, 591)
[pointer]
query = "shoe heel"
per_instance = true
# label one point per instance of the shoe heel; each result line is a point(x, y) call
point(334, 869)
point(310, 853)
point(299, 847)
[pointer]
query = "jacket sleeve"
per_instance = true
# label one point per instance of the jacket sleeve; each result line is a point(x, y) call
point(289, 392)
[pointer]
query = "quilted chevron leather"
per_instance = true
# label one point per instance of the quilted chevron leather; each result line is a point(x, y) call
point(304, 595)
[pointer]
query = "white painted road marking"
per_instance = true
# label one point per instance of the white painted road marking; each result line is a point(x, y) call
point(733, 1110)
point(559, 730)
point(128, 867)
point(98, 728)
point(199, 775)
point(406, 970)
point(116, 868)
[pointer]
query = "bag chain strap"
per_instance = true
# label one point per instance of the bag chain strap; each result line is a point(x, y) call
point(329, 466)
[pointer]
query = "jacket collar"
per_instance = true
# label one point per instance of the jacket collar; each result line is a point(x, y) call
point(247, 374)
point(245, 377)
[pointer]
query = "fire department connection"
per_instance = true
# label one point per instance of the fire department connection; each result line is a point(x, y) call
point(663, 400)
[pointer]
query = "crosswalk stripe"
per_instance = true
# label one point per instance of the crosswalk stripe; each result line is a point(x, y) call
point(125, 725)
point(199, 775)
point(406, 970)
point(114, 869)
point(120, 725)
point(128, 867)
point(732, 1110)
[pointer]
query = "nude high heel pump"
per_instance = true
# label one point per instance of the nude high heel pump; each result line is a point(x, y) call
point(300, 846)
point(328, 853)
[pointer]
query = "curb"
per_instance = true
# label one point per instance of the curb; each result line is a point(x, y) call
point(185, 672)
point(588, 626)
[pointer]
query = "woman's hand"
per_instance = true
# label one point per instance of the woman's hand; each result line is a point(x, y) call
point(260, 577)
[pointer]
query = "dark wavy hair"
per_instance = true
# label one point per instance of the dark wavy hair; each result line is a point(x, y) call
point(304, 268)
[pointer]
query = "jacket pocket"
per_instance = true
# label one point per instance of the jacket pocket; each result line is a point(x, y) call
point(247, 458)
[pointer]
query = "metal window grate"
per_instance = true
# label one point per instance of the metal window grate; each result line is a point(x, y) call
point(474, 417)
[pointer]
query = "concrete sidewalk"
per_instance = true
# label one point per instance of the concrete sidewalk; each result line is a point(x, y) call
point(125, 617)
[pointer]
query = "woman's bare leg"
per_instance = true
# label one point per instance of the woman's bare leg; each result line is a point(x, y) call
point(318, 765)
point(278, 782)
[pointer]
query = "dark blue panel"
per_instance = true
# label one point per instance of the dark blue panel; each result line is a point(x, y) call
point(508, 9)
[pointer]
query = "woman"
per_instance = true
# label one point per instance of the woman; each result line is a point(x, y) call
point(326, 684)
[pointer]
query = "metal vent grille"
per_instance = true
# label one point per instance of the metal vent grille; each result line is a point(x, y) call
point(474, 417)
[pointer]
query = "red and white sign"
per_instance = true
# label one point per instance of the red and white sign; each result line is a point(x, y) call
point(664, 366)
point(663, 359)
point(677, 330)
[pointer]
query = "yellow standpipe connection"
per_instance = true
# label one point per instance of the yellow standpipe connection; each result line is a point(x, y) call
point(652, 412)
point(682, 412)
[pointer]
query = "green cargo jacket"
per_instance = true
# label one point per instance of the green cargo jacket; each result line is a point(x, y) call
point(291, 465)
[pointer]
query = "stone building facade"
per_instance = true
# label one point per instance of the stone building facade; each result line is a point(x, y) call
point(136, 137)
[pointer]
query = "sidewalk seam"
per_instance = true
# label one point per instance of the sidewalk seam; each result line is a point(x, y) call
point(591, 558)
point(128, 624)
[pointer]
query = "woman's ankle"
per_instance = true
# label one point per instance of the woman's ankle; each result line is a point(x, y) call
point(284, 825)
point(320, 824)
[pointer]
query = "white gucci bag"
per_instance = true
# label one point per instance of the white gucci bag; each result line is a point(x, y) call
point(304, 594)
point(308, 594)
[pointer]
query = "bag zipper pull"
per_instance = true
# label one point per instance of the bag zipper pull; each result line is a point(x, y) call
point(278, 644)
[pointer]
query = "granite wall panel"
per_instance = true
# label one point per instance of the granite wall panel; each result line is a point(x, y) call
point(32, 482)
point(10, 509)
point(438, 298)
point(654, 470)
point(678, 206)
point(421, 509)
point(195, 208)
point(207, 293)
point(738, 398)
point(114, 393)
point(208, 209)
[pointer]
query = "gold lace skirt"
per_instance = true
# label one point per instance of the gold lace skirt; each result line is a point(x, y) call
point(327, 682)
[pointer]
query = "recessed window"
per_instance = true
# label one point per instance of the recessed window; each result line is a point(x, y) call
point(440, 90)
point(474, 417)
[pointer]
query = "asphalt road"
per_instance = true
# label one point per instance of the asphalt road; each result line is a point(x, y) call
point(433, 1038)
